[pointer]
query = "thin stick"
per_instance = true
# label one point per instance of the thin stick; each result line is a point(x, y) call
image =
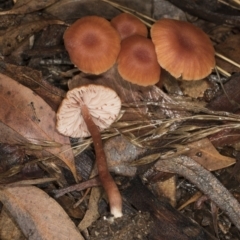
point(77, 187)
point(225, 3)
point(227, 59)
point(206, 182)
point(223, 72)
point(82, 198)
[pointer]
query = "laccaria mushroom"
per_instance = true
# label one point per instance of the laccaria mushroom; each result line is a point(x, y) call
point(86, 111)
point(92, 44)
point(183, 49)
point(137, 61)
point(127, 25)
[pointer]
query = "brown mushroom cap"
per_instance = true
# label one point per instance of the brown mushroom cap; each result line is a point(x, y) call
point(183, 49)
point(93, 44)
point(102, 103)
point(127, 25)
point(137, 61)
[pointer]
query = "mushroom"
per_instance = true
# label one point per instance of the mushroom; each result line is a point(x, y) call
point(86, 111)
point(183, 49)
point(127, 25)
point(92, 44)
point(137, 61)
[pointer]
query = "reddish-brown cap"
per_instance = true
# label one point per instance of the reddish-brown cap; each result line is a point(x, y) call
point(103, 105)
point(137, 61)
point(183, 49)
point(93, 44)
point(127, 25)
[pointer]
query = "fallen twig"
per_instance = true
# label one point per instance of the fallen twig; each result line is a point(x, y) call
point(77, 187)
point(206, 182)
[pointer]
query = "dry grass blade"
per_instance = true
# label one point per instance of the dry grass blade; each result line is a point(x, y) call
point(131, 11)
point(80, 147)
point(169, 134)
point(30, 182)
point(235, 3)
point(227, 59)
point(146, 160)
point(165, 154)
point(23, 7)
point(18, 168)
point(120, 7)
point(223, 72)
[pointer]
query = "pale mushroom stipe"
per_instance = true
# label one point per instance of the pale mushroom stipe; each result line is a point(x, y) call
point(92, 44)
point(84, 112)
point(183, 49)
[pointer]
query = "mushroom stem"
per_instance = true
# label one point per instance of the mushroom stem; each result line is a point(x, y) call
point(114, 196)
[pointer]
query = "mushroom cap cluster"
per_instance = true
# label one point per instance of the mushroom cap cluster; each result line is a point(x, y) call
point(103, 105)
point(183, 49)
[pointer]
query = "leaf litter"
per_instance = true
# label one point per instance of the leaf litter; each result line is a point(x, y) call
point(165, 129)
point(32, 120)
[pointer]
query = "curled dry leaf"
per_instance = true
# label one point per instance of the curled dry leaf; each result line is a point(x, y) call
point(27, 118)
point(92, 213)
point(37, 214)
point(9, 230)
point(33, 79)
point(12, 37)
point(205, 153)
point(28, 6)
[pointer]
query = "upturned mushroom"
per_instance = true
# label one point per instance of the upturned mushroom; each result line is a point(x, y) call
point(92, 44)
point(183, 49)
point(86, 111)
point(137, 61)
point(127, 25)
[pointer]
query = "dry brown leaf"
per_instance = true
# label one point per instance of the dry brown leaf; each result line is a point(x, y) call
point(33, 79)
point(37, 214)
point(26, 118)
point(28, 6)
point(167, 189)
point(92, 213)
point(206, 154)
point(14, 36)
point(193, 199)
point(9, 230)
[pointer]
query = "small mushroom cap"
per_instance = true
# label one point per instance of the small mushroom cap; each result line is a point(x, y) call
point(137, 61)
point(93, 44)
point(183, 49)
point(127, 25)
point(103, 104)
